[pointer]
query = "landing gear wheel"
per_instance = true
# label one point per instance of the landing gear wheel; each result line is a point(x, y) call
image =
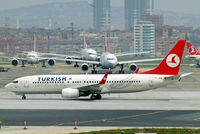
point(43, 63)
point(98, 96)
point(76, 65)
point(94, 72)
point(121, 71)
point(23, 97)
point(92, 97)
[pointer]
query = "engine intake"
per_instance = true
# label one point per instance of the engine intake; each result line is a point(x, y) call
point(68, 62)
point(133, 67)
point(85, 67)
point(14, 62)
point(70, 93)
point(51, 62)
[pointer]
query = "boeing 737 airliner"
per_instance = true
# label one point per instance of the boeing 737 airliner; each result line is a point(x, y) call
point(72, 86)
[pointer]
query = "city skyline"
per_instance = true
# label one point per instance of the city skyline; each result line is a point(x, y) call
point(169, 5)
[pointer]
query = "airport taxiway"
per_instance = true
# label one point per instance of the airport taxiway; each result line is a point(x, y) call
point(175, 105)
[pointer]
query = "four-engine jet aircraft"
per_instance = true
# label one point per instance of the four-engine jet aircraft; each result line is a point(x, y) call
point(193, 53)
point(72, 86)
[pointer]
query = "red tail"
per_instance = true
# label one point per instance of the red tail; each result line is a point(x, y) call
point(171, 63)
point(105, 40)
point(85, 44)
point(192, 49)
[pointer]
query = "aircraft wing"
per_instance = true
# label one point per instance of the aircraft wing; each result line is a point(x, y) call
point(138, 61)
point(59, 55)
point(126, 54)
point(10, 58)
point(94, 87)
point(82, 61)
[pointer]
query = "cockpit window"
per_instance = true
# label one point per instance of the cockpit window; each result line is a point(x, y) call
point(110, 58)
point(91, 53)
point(16, 81)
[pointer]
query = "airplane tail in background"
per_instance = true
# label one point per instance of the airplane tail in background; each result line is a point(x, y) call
point(171, 63)
point(34, 42)
point(105, 41)
point(85, 44)
point(192, 50)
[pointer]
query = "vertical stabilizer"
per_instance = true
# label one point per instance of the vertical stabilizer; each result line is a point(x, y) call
point(85, 44)
point(105, 41)
point(192, 50)
point(34, 42)
point(171, 63)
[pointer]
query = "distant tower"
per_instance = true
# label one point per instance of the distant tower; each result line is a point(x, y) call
point(7, 22)
point(17, 24)
point(134, 9)
point(101, 14)
point(50, 24)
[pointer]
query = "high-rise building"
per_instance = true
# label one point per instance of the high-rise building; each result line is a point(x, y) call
point(134, 9)
point(144, 37)
point(101, 14)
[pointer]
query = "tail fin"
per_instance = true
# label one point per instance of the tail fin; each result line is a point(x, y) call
point(105, 41)
point(192, 50)
point(85, 44)
point(34, 42)
point(171, 63)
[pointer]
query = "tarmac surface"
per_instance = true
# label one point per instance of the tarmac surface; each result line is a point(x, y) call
point(177, 105)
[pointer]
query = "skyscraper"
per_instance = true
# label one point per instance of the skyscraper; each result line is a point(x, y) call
point(144, 37)
point(134, 9)
point(101, 14)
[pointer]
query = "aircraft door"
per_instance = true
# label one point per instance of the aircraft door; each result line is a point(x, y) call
point(26, 83)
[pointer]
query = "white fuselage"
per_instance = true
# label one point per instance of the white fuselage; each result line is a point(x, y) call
point(108, 60)
point(116, 83)
point(196, 57)
point(32, 57)
point(89, 54)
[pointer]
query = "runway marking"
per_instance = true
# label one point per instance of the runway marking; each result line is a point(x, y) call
point(197, 119)
point(112, 119)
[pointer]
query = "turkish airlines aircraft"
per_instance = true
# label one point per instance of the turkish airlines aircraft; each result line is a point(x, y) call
point(193, 53)
point(72, 86)
point(109, 61)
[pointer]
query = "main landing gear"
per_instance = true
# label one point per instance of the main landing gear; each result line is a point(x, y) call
point(121, 71)
point(23, 97)
point(23, 62)
point(95, 97)
point(43, 63)
point(93, 71)
point(76, 65)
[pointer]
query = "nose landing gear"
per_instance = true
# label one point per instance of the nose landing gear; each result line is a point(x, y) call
point(23, 97)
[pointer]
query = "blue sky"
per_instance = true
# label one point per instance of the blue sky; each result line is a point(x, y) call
point(184, 6)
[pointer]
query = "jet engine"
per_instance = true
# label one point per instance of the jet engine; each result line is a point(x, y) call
point(85, 67)
point(68, 62)
point(51, 62)
point(70, 93)
point(133, 67)
point(14, 62)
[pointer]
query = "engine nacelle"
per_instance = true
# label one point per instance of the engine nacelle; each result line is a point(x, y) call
point(51, 62)
point(14, 62)
point(70, 93)
point(133, 67)
point(85, 67)
point(68, 62)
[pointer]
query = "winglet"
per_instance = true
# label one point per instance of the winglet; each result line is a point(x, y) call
point(136, 72)
point(103, 81)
